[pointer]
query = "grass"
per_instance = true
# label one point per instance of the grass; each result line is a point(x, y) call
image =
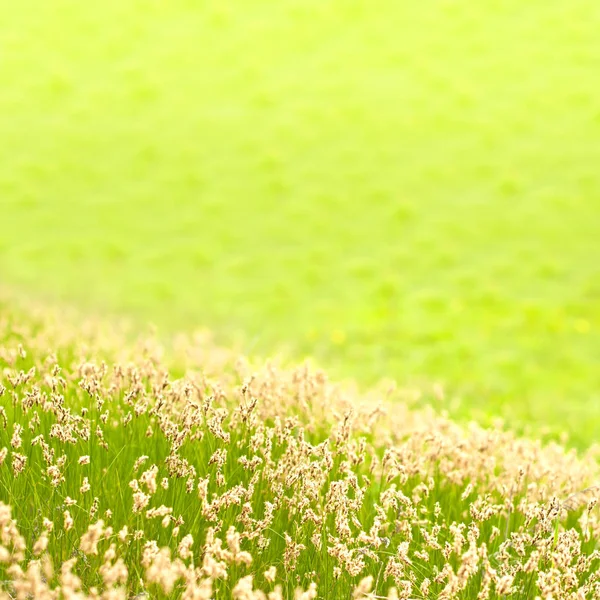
point(394, 188)
point(118, 480)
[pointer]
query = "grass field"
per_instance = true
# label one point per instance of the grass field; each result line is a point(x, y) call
point(397, 189)
point(240, 481)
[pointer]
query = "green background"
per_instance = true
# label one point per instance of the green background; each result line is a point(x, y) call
point(397, 189)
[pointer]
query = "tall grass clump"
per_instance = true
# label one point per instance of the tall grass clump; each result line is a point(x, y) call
point(119, 479)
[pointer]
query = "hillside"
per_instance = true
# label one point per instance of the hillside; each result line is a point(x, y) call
point(396, 189)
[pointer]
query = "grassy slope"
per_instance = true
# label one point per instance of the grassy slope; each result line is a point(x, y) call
point(401, 189)
point(408, 499)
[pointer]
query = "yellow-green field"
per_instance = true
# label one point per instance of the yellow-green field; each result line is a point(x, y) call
point(397, 189)
point(405, 193)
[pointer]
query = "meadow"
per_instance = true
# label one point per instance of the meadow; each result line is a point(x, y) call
point(120, 480)
point(367, 235)
point(397, 190)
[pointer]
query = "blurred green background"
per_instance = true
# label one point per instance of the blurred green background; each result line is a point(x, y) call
point(397, 189)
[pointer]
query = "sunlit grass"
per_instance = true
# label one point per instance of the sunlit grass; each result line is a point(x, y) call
point(254, 483)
